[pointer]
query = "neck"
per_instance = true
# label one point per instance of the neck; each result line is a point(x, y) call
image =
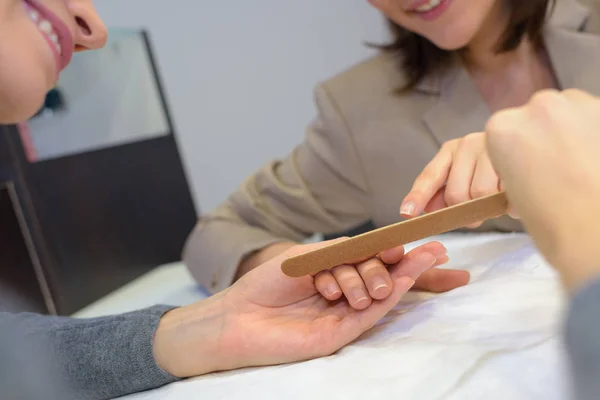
point(481, 54)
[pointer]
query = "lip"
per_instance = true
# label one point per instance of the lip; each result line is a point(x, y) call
point(416, 4)
point(432, 14)
point(65, 38)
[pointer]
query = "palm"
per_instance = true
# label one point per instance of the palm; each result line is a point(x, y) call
point(280, 319)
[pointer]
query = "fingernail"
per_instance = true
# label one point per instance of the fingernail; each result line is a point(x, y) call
point(332, 290)
point(442, 259)
point(379, 284)
point(359, 296)
point(513, 214)
point(408, 208)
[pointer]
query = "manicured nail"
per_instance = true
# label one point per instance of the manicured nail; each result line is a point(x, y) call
point(513, 214)
point(332, 290)
point(442, 259)
point(359, 296)
point(408, 208)
point(378, 283)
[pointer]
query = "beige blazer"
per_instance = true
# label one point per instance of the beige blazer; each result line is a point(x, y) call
point(366, 147)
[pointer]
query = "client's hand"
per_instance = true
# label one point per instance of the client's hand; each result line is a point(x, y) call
point(461, 171)
point(548, 155)
point(269, 318)
point(371, 279)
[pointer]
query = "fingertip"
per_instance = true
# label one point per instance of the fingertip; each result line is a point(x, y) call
point(393, 255)
point(408, 209)
point(362, 303)
point(426, 259)
point(381, 292)
point(441, 260)
point(327, 286)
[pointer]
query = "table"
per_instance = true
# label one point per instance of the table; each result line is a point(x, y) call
point(497, 338)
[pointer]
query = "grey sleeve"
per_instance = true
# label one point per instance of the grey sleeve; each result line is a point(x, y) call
point(583, 342)
point(98, 358)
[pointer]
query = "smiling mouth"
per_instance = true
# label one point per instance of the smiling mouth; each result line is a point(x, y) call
point(430, 5)
point(45, 27)
point(55, 32)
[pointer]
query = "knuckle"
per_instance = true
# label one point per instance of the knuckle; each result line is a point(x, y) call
point(450, 145)
point(453, 197)
point(370, 266)
point(544, 101)
point(575, 93)
point(478, 191)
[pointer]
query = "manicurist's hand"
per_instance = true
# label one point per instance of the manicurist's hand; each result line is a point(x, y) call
point(461, 171)
point(268, 318)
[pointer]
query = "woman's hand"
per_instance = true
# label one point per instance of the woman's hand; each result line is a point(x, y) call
point(547, 153)
point(363, 282)
point(268, 318)
point(461, 171)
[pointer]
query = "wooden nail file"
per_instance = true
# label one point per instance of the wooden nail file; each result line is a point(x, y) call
point(371, 243)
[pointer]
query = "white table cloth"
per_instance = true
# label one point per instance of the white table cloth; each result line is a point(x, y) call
point(497, 338)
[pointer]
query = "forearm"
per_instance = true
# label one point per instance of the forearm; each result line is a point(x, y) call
point(98, 358)
point(583, 340)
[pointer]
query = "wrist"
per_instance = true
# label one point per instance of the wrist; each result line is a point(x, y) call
point(188, 341)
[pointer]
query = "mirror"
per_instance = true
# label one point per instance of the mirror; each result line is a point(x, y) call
point(104, 98)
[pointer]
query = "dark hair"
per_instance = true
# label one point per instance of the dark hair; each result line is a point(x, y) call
point(420, 57)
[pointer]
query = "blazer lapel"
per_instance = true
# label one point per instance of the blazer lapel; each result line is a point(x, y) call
point(575, 58)
point(460, 109)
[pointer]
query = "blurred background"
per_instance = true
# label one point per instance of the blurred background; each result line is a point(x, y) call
point(239, 75)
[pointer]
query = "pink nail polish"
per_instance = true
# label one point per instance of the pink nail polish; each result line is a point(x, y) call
point(408, 208)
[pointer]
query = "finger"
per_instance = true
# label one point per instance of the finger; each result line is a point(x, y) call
point(328, 286)
point(431, 180)
point(458, 187)
point(437, 202)
point(441, 280)
point(413, 265)
point(393, 256)
point(353, 286)
point(355, 324)
point(376, 277)
point(485, 180)
point(418, 260)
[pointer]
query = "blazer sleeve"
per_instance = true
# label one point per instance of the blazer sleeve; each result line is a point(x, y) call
point(68, 358)
point(319, 188)
point(583, 341)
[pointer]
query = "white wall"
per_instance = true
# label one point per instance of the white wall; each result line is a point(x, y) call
point(239, 74)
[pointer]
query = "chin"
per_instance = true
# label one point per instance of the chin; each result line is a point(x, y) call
point(451, 43)
point(20, 111)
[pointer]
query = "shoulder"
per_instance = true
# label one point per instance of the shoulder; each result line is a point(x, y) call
point(376, 75)
point(593, 22)
point(368, 90)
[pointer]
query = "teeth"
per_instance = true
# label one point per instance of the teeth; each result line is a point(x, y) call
point(34, 15)
point(45, 26)
point(429, 6)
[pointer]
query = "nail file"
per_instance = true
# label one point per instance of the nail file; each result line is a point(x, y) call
point(371, 243)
